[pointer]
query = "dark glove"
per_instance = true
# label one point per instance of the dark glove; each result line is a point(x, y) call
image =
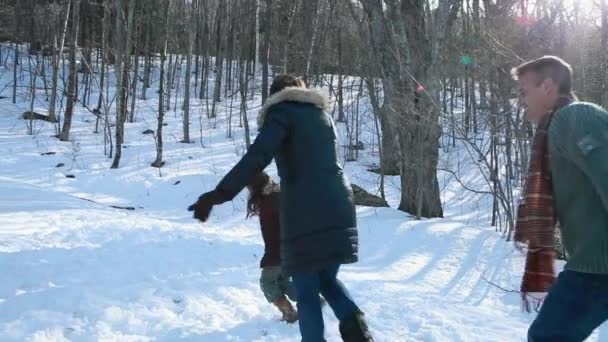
point(202, 207)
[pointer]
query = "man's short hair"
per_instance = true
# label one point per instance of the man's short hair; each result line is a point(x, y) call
point(548, 67)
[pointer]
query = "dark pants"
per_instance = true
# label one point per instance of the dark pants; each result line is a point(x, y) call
point(576, 305)
point(308, 286)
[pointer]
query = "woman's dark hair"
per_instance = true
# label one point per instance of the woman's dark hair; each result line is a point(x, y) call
point(283, 81)
point(256, 192)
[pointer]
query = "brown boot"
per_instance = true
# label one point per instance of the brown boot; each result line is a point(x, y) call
point(290, 315)
point(354, 329)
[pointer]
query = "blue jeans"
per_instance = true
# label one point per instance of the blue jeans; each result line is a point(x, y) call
point(575, 306)
point(308, 285)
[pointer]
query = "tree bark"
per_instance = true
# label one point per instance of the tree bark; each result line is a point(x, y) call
point(134, 87)
point(265, 48)
point(147, 61)
point(604, 9)
point(57, 56)
point(69, 109)
point(244, 81)
point(15, 66)
point(186, 107)
point(219, 58)
point(158, 162)
point(407, 63)
point(315, 28)
point(124, 24)
point(340, 97)
point(104, 47)
point(290, 19)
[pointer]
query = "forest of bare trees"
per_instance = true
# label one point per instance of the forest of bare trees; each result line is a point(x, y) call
point(435, 74)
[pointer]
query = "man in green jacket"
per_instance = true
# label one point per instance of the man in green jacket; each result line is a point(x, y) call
point(568, 182)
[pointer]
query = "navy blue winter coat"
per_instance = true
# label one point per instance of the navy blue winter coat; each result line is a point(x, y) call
point(318, 220)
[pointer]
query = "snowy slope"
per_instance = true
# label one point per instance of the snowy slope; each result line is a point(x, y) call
point(73, 268)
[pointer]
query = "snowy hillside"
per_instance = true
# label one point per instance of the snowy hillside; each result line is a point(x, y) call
point(75, 268)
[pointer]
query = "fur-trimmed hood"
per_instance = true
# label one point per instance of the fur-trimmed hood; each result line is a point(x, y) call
point(295, 94)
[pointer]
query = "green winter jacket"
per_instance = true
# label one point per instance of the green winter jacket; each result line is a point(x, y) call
point(578, 150)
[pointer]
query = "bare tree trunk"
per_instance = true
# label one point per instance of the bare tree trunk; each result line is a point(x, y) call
point(467, 106)
point(315, 26)
point(219, 59)
point(266, 28)
point(101, 98)
point(104, 48)
point(340, 96)
point(18, 15)
point(604, 8)
point(134, 87)
point(197, 47)
point(205, 50)
point(357, 119)
point(340, 99)
point(493, 149)
point(452, 94)
point(161, 110)
point(69, 109)
point(177, 75)
point(33, 95)
point(371, 89)
point(147, 63)
point(230, 47)
point(57, 56)
point(390, 144)
point(290, 20)
point(196, 71)
point(407, 46)
point(186, 107)
point(169, 84)
point(257, 35)
point(15, 65)
point(386, 114)
point(123, 40)
point(244, 80)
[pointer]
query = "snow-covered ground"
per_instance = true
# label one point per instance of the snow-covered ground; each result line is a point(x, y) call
point(73, 268)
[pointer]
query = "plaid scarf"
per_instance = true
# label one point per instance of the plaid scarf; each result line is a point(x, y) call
point(536, 218)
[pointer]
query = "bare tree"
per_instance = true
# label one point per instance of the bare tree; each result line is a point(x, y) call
point(316, 9)
point(124, 24)
point(190, 45)
point(604, 49)
point(18, 16)
point(158, 162)
point(104, 47)
point(72, 82)
point(408, 43)
point(219, 55)
point(57, 56)
point(135, 78)
point(33, 94)
point(265, 48)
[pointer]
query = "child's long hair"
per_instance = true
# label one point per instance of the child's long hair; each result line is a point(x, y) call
point(256, 192)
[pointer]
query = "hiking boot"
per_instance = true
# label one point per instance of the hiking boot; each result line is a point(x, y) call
point(355, 329)
point(290, 315)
